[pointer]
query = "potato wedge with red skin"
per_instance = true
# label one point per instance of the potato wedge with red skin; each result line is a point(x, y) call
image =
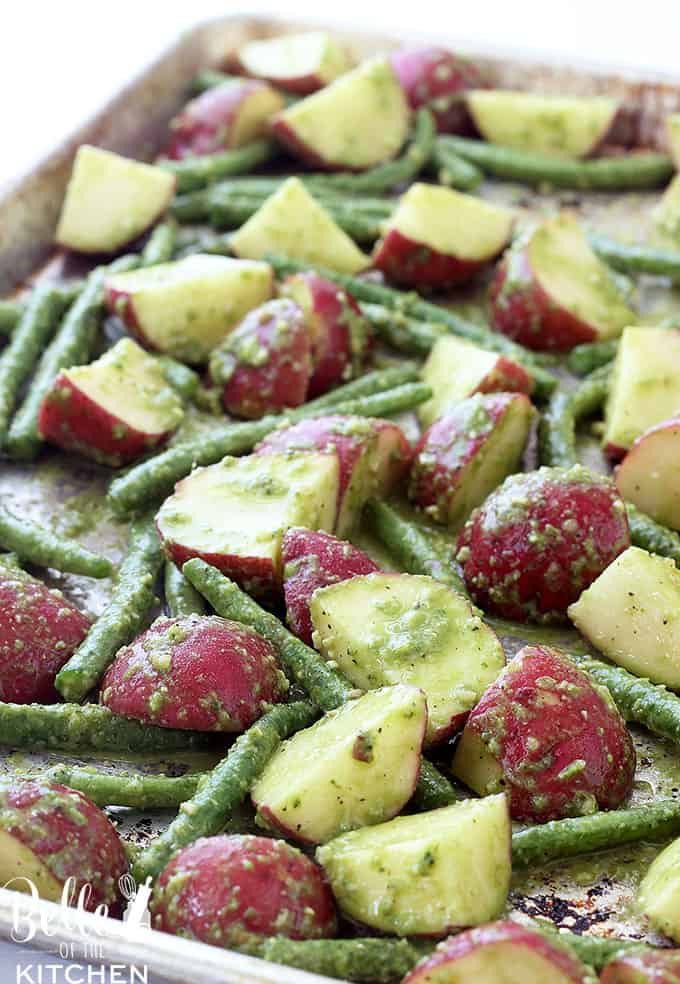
point(551, 291)
point(437, 79)
point(236, 891)
point(113, 410)
point(372, 455)
point(62, 842)
point(499, 951)
point(340, 333)
point(40, 630)
point(313, 560)
point(648, 967)
point(265, 364)
point(199, 672)
point(300, 63)
point(467, 453)
point(222, 118)
point(541, 539)
point(439, 238)
point(550, 737)
point(649, 475)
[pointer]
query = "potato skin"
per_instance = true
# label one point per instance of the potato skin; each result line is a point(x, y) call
point(503, 933)
point(340, 333)
point(265, 364)
point(437, 78)
point(525, 312)
point(235, 891)
point(199, 672)
point(73, 421)
point(71, 836)
point(653, 967)
point(206, 125)
point(312, 560)
point(541, 539)
point(562, 745)
point(40, 630)
point(410, 263)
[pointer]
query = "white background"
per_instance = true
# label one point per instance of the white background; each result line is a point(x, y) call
point(59, 59)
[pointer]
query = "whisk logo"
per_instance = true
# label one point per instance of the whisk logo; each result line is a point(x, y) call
point(88, 931)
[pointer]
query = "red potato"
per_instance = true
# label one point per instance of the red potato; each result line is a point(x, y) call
point(649, 967)
point(551, 291)
point(487, 954)
point(548, 736)
point(467, 453)
point(40, 630)
point(233, 514)
point(57, 839)
point(236, 891)
point(265, 364)
point(649, 475)
point(439, 238)
point(114, 410)
point(313, 560)
point(540, 540)
point(340, 333)
point(300, 63)
point(200, 672)
point(438, 79)
point(227, 116)
point(372, 455)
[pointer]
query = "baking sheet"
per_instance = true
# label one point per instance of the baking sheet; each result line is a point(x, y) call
point(597, 895)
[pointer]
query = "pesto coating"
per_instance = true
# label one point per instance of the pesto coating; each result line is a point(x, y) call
point(133, 596)
point(604, 173)
point(181, 378)
point(581, 835)
point(413, 305)
point(155, 478)
point(557, 427)
point(325, 685)
point(91, 727)
point(400, 331)
point(638, 699)
point(72, 345)
point(197, 172)
point(223, 789)
point(181, 598)
point(38, 545)
point(452, 170)
point(143, 792)
point(410, 545)
point(161, 244)
point(35, 326)
point(375, 960)
point(637, 259)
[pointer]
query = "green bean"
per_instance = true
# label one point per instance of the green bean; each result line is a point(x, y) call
point(414, 306)
point(452, 170)
point(223, 789)
point(197, 172)
point(645, 170)
point(27, 342)
point(153, 479)
point(596, 951)
point(130, 602)
point(181, 597)
point(582, 835)
point(646, 533)
point(373, 960)
point(10, 315)
point(401, 332)
point(143, 792)
point(87, 728)
point(326, 686)
point(183, 380)
point(37, 545)
point(160, 245)
point(71, 346)
point(557, 427)
point(638, 258)
point(586, 358)
point(10, 560)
